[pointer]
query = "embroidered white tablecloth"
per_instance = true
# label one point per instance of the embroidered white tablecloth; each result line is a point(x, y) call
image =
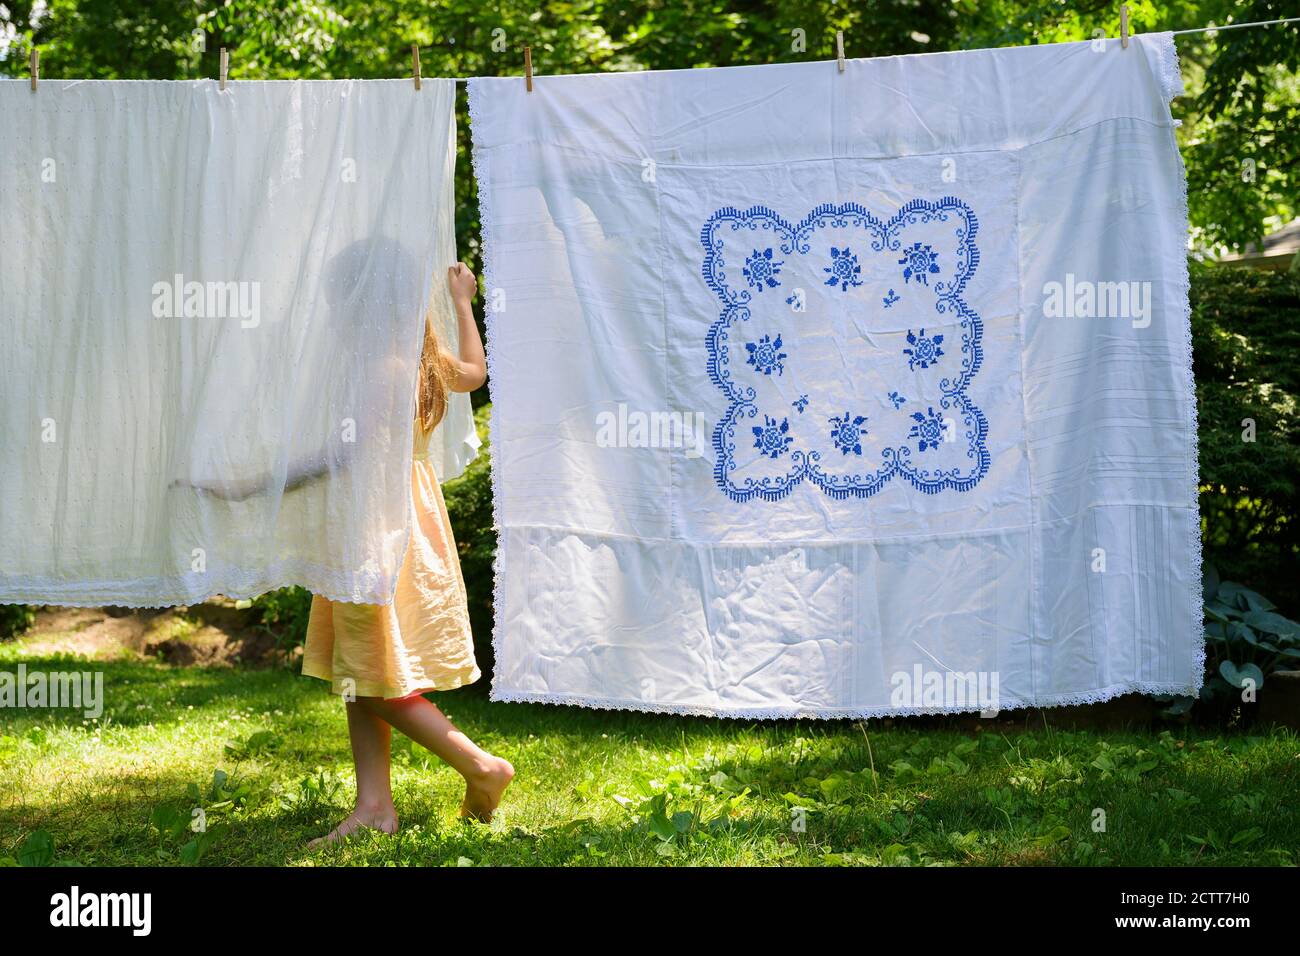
point(842, 394)
point(211, 311)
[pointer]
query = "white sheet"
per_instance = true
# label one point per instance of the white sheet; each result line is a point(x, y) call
point(167, 436)
point(897, 485)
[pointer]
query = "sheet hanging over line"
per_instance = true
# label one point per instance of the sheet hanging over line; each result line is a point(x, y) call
point(211, 314)
point(822, 394)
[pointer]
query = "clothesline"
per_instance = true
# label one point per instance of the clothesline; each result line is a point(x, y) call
point(1177, 33)
point(1236, 26)
point(34, 63)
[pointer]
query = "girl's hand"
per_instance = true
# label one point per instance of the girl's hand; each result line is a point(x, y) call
point(469, 362)
point(463, 284)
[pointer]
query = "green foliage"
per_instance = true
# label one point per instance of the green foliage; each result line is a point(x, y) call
point(1239, 139)
point(257, 744)
point(312, 797)
point(186, 835)
point(627, 789)
point(180, 841)
point(36, 850)
point(1246, 639)
point(1243, 92)
point(285, 613)
point(15, 618)
point(1246, 336)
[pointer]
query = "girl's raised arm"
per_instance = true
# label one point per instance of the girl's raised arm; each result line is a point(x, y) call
point(470, 367)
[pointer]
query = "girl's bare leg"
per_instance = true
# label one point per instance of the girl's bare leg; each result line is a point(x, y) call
point(371, 739)
point(486, 776)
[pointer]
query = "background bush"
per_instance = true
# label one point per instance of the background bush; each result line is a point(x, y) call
point(285, 613)
point(15, 618)
point(1246, 336)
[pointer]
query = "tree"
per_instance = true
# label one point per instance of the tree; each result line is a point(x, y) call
point(1243, 85)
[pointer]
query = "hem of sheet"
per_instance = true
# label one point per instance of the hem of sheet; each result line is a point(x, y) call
point(1096, 696)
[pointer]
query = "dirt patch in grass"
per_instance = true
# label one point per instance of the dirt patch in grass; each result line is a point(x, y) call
point(214, 633)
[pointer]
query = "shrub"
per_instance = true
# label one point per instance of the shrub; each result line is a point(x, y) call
point(284, 613)
point(1246, 337)
point(1246, 640)
point(14, 619)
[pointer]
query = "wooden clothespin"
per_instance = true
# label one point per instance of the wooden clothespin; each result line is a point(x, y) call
point(1123, 25)
point(528, 67)
point(34, 62)
point(225, 66)
point(839, 49)
point(415, 64)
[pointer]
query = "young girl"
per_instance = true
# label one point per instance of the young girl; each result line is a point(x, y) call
point(388, 656)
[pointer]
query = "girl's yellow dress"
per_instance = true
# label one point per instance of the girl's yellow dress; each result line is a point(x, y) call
point(420, 642)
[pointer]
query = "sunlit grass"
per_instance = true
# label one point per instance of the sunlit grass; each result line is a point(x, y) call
point(623, 789)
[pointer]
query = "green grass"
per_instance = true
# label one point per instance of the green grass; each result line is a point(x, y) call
point(606, 788)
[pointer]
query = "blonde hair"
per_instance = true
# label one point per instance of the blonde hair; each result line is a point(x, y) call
point(436, 376)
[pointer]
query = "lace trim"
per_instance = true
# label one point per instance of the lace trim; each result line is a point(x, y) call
point(1097, 696)
point(362, 587)
point(1172, 85)
point(487, 238)
point(1171, 77)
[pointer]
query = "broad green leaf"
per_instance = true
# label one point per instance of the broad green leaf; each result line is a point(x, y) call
point(1055, 835)
point(661, 826)
point(1244, 597)
point(1271, 623)
point(1246, 837)
point(1223, 612)
point(37, 850)
point(1238, 675)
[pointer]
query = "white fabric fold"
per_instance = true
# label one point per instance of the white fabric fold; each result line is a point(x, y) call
point(799, 404)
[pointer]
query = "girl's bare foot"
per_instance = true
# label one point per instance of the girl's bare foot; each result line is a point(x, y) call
point(484, 788)
point(383, 820)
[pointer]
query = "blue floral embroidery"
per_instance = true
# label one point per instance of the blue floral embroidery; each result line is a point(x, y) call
point(929, 430)
point(891, 298)
point(772, 439)
point(963, 462)
point(760, 270)
point(800, 403)
point(924, 351)
point(766, 355)
point(844, 269)
point(921, 262)
point(847, 433)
